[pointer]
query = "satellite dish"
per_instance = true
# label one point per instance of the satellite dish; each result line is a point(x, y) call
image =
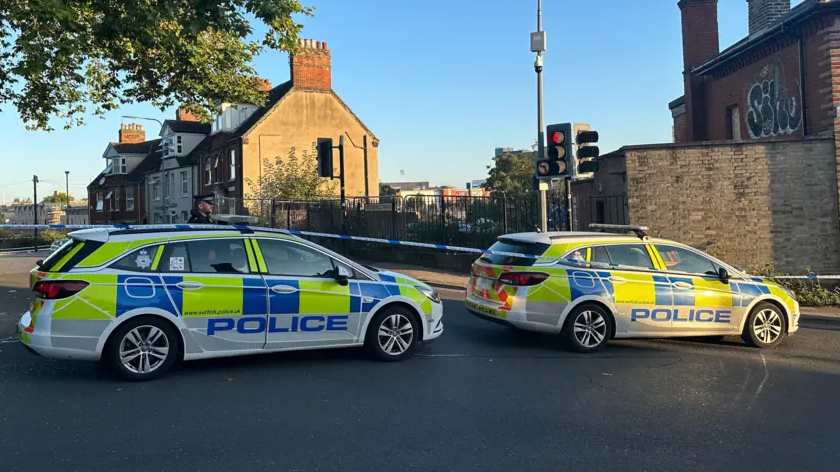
point(102, 181)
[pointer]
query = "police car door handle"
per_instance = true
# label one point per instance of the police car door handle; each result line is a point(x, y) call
point(683, 285)
point(189, 285)
point(617, 279)
point(283, 289)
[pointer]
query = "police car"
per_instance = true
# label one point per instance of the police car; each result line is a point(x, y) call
point(598, 286)
point(140, 299)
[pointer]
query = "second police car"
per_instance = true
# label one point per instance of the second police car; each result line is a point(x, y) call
point(599, 286)
point(141, 299)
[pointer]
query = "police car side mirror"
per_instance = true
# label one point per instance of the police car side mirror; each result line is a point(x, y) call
point(39, 263)
point(723, 274)
point(341, 275)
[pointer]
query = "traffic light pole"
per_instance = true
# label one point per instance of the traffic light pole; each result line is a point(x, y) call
point(341, 183)
point(538, 66)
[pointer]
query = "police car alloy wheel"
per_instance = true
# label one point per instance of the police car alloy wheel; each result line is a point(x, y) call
point(141, 349)
point(587, 328)
point(393, 334)
point(765, 326)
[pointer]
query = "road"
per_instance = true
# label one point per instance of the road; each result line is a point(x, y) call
point(483, 398)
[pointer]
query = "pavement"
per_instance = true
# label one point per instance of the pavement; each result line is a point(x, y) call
point(481, 398)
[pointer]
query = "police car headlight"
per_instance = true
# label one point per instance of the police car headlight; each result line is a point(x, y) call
point(429, 292)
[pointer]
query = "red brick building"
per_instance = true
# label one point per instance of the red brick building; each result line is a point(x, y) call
point(782, 80)
point(117, 194)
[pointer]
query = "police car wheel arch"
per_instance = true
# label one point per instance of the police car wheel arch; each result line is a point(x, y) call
point(175, 321)
point(605, 304)
point(779, 304)
point(387, 302)
point(766, 325)
point(144, 348)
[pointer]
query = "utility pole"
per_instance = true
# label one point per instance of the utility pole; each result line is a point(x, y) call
point(538, 67)
point(35, 206)
point(67, 195)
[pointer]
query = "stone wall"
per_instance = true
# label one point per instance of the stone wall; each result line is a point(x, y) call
point(749, 203)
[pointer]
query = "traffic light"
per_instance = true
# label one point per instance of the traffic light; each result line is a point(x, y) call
point(559, 152)
point(325, 157)
point(587, 153)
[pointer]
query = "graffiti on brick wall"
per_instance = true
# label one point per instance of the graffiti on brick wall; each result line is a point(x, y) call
point(774, 105)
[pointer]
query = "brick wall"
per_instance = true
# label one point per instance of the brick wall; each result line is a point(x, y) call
point(731, 85)
point(701, 42)
point(679, 128)
point(749, 203)
point(764, 13)
point(311, 66)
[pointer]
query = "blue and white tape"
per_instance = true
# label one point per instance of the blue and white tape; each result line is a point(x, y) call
point(442, 247)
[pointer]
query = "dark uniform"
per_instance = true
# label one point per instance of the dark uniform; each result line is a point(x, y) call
point(196, 217)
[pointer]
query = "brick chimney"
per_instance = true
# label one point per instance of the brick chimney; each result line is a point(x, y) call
point(183, 115)
point(310, 66)
point(765, 13)
point(132, 133)
point(265, 85)
point(700, 43)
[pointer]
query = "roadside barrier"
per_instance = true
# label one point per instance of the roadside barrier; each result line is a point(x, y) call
point(442, 247)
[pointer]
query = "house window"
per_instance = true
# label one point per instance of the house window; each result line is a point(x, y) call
point(117, 200)
point(216, 170)
point(733, 123)
point(99, 202)
point(117, 165)
point(156, 189)
point(185, 184)
point(185, 216)
point(179, 139)
point(208, 173)
point(129, 199)
point(232, 164)
point(109, 198)
point(180, 149)
point(171, 185)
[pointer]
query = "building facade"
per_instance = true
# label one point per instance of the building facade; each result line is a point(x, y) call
point(117, 194)
point(295, 114)
point(171, 186)
point(753, 174)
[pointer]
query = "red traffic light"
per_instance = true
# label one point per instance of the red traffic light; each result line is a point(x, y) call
point(557, 137)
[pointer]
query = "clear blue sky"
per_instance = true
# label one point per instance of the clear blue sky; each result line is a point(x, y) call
point(442, 83)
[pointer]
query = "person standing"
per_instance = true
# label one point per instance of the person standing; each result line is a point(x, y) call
point(203, 210)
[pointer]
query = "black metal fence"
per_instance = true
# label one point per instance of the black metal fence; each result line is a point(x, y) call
point(437, 219)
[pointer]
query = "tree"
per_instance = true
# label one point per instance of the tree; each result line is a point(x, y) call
point(58, 198)
point(291, 178)
point(386, 190)
point(511, 173)
point(57, 58)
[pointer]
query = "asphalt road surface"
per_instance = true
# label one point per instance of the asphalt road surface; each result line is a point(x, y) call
point(482, 397)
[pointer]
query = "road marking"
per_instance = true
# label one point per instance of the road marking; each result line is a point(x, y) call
point(10, 339)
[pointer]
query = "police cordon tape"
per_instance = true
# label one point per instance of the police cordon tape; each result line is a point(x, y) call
point(442, 247)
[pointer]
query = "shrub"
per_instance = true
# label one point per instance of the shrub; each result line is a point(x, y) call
point(808, 292)
point(51, 235)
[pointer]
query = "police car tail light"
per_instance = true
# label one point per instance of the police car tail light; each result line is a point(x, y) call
point(523, 278)
point(58, 289)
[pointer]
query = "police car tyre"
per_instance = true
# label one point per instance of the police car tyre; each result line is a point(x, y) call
point(765, 327)
point(587, 328)
point(143, 348)
point(393, 334)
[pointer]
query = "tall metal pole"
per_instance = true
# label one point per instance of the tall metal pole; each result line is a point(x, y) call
point(365, 149)
point(35, 206)
point(538, 66)
point(66, 195)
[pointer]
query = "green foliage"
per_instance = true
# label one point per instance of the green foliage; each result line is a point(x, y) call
point(58, 198)
point(51, 235)
point(807, 292)
point(292, 178)
point(56, 57)
point(386, 190)
point(512, 173)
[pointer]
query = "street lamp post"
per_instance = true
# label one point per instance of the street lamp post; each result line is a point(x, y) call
point(67, 196)
point(538, 46)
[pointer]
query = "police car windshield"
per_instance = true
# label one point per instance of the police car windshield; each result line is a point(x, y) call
point(519, 247)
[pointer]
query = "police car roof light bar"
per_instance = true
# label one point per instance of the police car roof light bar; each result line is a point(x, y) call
point(641, 231)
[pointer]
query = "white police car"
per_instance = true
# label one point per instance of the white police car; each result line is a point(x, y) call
point(142, 298)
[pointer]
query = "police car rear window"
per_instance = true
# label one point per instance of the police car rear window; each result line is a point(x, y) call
point(519, 247)
point(59, 254)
